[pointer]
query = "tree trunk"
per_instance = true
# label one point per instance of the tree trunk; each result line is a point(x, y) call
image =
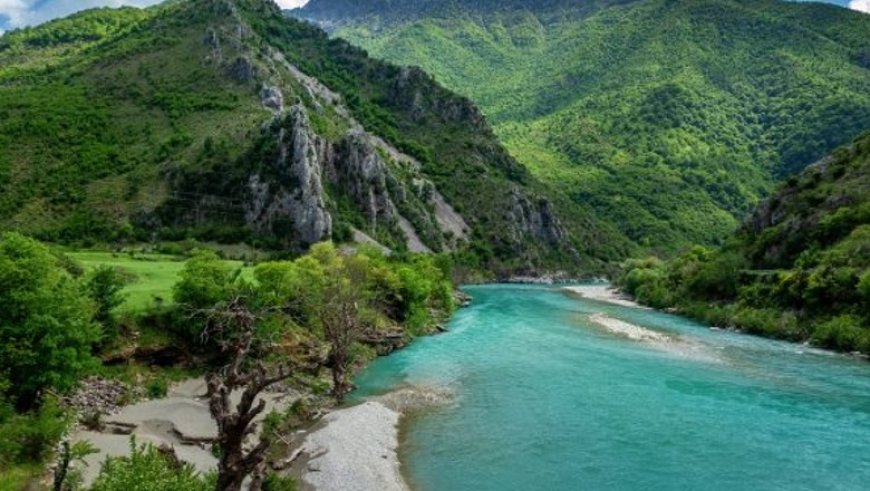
point(338, 385)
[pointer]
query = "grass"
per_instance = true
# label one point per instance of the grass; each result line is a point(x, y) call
point(19, 477)
point(150, 276)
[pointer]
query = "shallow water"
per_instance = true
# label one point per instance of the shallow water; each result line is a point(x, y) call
point(546, 399)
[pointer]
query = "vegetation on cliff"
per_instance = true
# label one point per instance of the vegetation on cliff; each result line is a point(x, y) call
point(189, 120)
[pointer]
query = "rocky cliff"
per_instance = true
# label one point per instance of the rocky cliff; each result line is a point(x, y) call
point(223, 120)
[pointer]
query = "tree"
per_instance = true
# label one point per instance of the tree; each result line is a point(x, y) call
point(47, 329)
point(235, 327)
point(105, 285)
point(204, 282)
point(341, 311)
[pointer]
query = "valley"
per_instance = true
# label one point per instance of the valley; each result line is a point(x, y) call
point(434, 245)
point(670, 120)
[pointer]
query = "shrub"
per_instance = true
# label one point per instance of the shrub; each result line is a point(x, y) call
point(146, 469)
point(843, 333)
point(29, 437)
point(274, 482)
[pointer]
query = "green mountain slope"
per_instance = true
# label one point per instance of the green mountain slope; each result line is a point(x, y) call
point(798, 268)
point(224, 120)
point(671, 118)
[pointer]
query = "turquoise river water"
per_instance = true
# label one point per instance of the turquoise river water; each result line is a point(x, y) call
point(543, 398)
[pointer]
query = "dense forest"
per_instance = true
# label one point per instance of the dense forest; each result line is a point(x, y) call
point(798, 268)
point(670, 119)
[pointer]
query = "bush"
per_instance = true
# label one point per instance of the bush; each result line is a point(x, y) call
point(29, 437)
point(274, 482)
point(157, 388)
point(146, 469)
point(843, 333)
point(205, 281)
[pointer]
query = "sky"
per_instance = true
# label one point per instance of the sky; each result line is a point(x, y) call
point(21, 13)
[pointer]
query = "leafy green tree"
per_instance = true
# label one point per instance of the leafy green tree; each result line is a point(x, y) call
point(47, 329)
point(105, 285)
point(205, 281)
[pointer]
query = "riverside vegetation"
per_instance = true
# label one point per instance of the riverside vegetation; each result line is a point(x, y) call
point(59, 324)
point(798, 268)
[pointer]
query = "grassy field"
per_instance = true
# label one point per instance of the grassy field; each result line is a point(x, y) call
point(150, 276)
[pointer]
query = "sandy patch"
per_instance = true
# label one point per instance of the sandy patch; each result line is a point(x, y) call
point(603, 293)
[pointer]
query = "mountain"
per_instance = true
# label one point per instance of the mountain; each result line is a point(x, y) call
point(670, 118)
point(223, 120)
point(798, 267)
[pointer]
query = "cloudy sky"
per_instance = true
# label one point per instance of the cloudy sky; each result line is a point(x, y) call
point(20, 13)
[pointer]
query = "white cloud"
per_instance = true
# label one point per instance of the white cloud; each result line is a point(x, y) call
point(21, 13)
point(862, 5)
point(288, 4)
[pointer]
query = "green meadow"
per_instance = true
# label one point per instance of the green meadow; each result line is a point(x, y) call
point(149, 277)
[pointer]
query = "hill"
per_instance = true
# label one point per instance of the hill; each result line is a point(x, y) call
point(670, 118)
point(798, 268)
point(222, 120)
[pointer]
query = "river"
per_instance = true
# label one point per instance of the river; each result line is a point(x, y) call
point(544, 397)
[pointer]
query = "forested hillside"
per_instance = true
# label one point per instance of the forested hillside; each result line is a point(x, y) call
point(671, 118)
point(222, 120)
point(798, 268)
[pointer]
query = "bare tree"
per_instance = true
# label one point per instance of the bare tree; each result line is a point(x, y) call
point(234, 326)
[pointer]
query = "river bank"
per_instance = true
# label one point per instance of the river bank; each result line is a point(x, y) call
point(602, 293)
point(357, 448)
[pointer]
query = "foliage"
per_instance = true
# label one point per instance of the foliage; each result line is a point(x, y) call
point(274, 482)
point(204, 281)
point(668, 118)
point(29, 437)
point(798, 269)
point(105, 285)
point(46, 323)
point(123, 125)
point(147, 469)
point(340, 297)
point(149, 278)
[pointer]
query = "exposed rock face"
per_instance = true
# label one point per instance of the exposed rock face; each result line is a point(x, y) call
point(242, 70)
point(272, 99)
point(535, 218)
point(294, 201)
point(407, 92)
point(363, 174)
